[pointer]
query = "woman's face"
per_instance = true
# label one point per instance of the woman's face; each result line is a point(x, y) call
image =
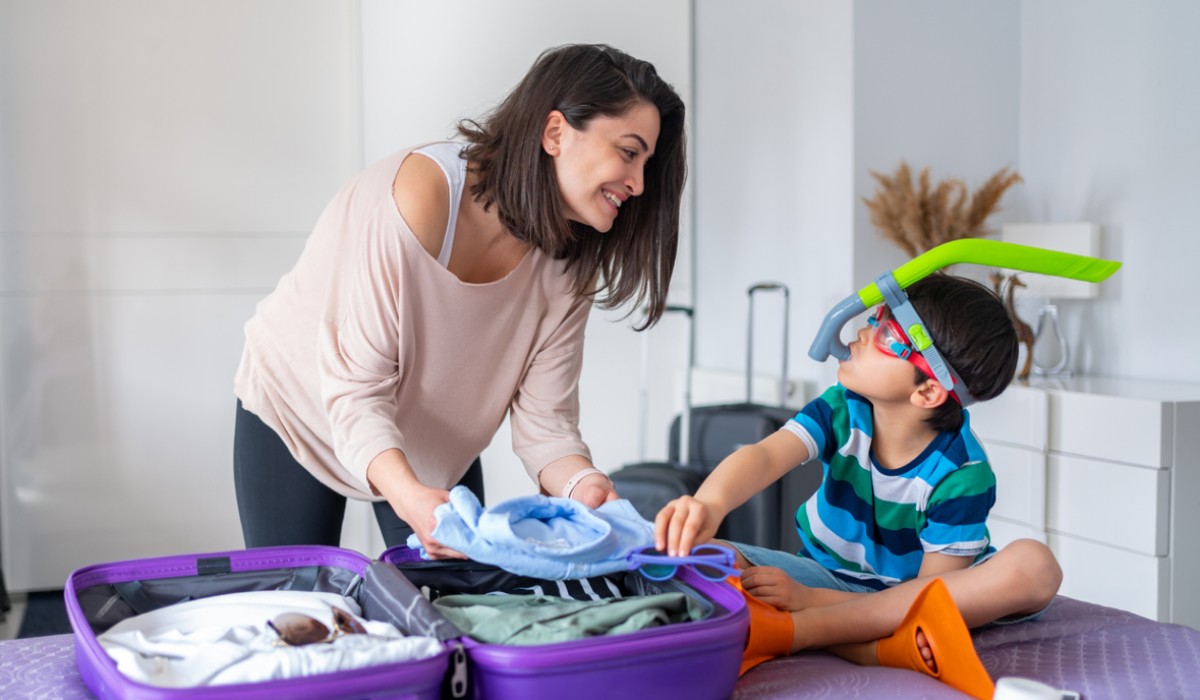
point(602, 165)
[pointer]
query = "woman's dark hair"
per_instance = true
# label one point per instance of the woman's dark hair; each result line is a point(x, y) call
point(974, 333)
point(634, 260)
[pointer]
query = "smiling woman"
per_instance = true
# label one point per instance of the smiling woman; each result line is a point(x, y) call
point(577, 106)
point(441, 292)
point(600, 166)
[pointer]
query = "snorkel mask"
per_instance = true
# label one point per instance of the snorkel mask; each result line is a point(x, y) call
point(889, 287)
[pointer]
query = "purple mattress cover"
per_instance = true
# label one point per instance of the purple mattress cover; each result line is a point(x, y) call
point(1099, 652)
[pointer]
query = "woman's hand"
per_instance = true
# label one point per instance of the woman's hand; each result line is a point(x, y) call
point(594, 490)
point(416, 508)
point(390, 475)
point(683, 523)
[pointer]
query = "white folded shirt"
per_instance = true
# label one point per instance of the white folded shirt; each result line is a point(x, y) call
point(225, 639)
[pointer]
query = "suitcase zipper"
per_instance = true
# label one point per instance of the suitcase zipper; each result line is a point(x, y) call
point(458, 672)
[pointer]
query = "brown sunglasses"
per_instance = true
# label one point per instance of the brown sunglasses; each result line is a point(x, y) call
point(298, 629)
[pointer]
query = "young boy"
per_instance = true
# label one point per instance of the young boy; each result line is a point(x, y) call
point(903, 502)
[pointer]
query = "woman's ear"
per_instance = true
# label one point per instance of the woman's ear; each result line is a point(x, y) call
point(930, 394)
point(552, 132)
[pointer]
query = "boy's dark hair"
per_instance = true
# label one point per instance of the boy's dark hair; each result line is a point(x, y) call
point(635, 259)
point(972, 330)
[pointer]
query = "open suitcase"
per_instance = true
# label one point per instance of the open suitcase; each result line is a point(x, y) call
point(691, 660)
point(698, 659)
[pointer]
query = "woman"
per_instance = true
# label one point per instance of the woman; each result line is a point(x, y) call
point(446, 286)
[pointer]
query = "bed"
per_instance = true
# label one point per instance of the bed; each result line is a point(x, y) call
point(1097, 651)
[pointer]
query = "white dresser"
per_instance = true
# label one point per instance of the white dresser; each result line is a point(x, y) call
point(1106, 472)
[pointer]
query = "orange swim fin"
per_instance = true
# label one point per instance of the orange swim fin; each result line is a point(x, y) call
point(934, 613)
point(770, 630)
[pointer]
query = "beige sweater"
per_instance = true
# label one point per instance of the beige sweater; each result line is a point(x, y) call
point(369, 344)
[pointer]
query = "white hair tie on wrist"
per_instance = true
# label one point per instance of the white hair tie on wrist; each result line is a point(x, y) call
point(579, 476)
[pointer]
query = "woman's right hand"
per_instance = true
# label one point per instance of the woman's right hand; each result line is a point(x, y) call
point(683, 523)
point(390, 475)
point(416, 508)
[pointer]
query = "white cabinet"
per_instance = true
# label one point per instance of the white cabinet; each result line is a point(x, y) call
point(1107, 473)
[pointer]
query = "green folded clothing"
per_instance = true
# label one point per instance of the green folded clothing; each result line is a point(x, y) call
point(527, 620)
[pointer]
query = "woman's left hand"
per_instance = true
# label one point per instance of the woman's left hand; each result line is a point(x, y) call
point(594, 490)
point(591, 489)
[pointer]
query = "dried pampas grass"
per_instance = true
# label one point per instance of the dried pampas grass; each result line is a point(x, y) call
point(923, 217)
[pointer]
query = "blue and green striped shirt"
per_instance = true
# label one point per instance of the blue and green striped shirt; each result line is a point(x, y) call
point(872, 525)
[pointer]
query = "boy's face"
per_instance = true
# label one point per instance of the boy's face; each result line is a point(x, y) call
point(871, 372)
point(875, 368)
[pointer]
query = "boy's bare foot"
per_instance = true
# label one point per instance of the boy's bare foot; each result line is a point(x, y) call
point(868, 655)
point(774, 587)
point(932, 638)
point(926, 651)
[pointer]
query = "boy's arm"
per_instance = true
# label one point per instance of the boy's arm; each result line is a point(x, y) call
point(935, 564)
point(688, 520)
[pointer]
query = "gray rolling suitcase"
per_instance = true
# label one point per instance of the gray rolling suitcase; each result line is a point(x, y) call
point(768, 518)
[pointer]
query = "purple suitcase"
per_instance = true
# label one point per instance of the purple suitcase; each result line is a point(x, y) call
point(97, 597)
point(693, 660)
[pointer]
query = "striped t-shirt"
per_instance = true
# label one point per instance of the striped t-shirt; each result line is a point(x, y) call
point(872, 525)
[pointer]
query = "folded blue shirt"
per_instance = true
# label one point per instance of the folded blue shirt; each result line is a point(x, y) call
point(551, 538)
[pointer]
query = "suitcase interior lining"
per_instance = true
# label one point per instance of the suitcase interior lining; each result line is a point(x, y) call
point(450, 577)
point(106, 604)
point(384, 594)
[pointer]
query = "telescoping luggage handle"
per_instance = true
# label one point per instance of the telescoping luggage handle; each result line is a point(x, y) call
point(783, 373)
point(685, 417)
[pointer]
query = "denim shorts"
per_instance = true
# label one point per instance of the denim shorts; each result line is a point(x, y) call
point(800, 569)
point(809, 573)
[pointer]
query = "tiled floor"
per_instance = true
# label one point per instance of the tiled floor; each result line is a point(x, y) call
point(12, 622)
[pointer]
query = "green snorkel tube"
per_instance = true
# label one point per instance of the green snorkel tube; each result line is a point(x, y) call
point(889, 288)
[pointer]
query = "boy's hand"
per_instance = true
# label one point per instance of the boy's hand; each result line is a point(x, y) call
point(684, 522)
point(772, 586)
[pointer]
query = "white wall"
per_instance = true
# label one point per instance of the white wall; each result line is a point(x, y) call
point(1094, 104)
point(160, 166)
point(796, 103)
point(1110, 103)
point(935, 84)
point(773, 179)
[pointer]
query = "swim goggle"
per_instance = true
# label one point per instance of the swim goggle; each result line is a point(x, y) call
point(889, 287)
point(889, 337)
point(713, 562)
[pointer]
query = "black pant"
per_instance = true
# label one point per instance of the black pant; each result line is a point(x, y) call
point(280, 503)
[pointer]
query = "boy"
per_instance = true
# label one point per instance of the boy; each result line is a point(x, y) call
point(903, 502)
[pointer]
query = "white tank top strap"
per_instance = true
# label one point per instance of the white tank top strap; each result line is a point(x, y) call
point(446, 155)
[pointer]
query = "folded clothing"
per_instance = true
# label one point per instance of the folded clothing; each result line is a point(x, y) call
point(529, 620)
point(225, 639)
point(549, 538)
point(462, 576)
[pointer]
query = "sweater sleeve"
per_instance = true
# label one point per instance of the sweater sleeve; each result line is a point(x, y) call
point(360, 337)
point(544, 413)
